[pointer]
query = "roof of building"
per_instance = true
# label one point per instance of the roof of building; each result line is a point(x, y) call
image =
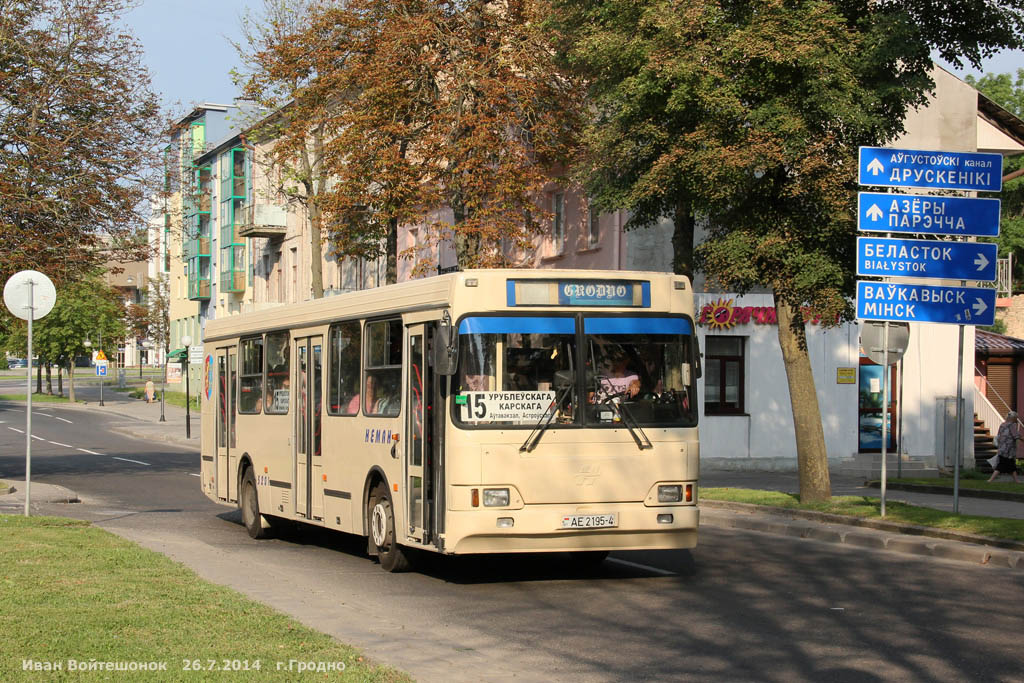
point(1000, 117)
point(992, 344)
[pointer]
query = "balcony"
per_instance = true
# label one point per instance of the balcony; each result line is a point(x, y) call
point(198, 289)
point(263, 220)
point(232, 281)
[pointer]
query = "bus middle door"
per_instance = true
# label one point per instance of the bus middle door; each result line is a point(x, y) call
point(418, 429)
point(309, 486)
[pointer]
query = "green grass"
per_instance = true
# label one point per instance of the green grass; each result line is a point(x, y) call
point(72, 591)
point(867, 507)
point(5, 486)
point(174, 398)
point(36, 398)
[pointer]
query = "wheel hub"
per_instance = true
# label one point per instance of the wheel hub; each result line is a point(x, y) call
point(379, 525)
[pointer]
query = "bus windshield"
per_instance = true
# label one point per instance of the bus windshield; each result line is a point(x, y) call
point(512, 368)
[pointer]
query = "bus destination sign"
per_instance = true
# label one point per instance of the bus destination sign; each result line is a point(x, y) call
point(617, 293)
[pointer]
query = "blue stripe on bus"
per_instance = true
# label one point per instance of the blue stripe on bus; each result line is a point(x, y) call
point(517, 325)
point(636, 326)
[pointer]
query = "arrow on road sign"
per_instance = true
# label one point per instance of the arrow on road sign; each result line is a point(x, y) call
point(981, 262)
point(874, 213)
point(875, 167)
point(979, 306)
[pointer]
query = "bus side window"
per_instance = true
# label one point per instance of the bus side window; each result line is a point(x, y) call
point(277, 376)
point(382, 393)
point(344, 371)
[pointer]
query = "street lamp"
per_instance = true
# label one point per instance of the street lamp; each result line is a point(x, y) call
point(186, 341)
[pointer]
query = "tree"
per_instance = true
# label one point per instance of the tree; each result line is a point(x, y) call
point(76, 127)
point(1008, 92)
point(750, 115)
point(87, 308)
point(279, 71)
point(424, 107)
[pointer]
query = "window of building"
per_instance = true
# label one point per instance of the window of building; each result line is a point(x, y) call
point(343, 378)
point(558, 221)
point(724, 358)
point(593, 226)
point(382, 387)
point(250, 389)
point(277, 377)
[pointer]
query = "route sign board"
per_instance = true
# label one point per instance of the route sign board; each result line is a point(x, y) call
point(880, 212)
point(925, 303)
point(930, 168)
point(926, 258)
point(101, 368)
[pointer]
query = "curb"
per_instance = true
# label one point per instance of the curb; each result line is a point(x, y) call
point(948, 491)
point(876, 524)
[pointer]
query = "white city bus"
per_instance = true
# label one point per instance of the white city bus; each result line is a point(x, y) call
point(486, 411)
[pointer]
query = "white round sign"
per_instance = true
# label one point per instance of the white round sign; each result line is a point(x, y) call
point(17, 293)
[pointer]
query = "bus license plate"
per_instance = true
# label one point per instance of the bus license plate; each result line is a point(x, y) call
point(588, 521)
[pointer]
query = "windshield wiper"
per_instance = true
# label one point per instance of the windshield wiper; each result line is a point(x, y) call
point(542, 424)
point(633, 426)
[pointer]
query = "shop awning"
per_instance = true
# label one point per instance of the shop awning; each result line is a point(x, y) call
point(176, 354)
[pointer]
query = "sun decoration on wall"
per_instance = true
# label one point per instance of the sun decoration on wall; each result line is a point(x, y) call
point(719, 315)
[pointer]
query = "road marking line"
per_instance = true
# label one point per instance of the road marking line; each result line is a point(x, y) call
point(63, 420)
point(635, 565)
point(137, 462)
point(15, 429)
point(194, 474)
point(58, 443)
point(38, 438)
point(89, 452)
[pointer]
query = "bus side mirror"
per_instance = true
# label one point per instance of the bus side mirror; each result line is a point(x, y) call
point(446, 348)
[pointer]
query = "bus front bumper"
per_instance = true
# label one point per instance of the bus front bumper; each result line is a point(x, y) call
point(539, 528)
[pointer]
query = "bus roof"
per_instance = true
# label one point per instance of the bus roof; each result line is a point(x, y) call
point(422, 294)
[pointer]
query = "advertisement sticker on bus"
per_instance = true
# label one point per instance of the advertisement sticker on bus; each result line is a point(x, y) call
point(503, 406)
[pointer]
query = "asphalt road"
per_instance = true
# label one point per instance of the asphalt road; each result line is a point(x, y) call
point(742, 606)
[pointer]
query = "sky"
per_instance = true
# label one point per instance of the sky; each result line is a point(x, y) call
point(187, 49)
point(190, 59)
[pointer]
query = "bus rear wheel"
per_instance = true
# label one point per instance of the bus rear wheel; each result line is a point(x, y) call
point(382, 531)
point(249, 501)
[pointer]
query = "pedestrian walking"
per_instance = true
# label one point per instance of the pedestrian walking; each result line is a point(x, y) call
point(150, 391)
point(1006, 448)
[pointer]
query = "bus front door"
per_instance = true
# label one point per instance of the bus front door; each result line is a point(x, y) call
point(227, 369)
point(418, 461)
point(308, 379)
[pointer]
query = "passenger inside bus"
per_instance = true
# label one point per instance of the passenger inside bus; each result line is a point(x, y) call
point(380, 397)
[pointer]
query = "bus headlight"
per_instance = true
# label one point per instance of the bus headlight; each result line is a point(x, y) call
point(496, 498)
point(670, 493)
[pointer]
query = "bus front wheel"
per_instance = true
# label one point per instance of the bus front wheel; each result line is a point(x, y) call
point(382, 531)
point(250, 504)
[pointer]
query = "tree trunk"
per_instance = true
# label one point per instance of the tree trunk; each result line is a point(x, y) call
point(60, 380)
point(467, 246)
point(49, 377)
point(812, 458)
point(71, 379)
point(39, 378)
point(391, 253)
point(316, 266)
point(682, 241)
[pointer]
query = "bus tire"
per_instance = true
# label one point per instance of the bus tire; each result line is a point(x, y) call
point(381, 513)
point(249, 501)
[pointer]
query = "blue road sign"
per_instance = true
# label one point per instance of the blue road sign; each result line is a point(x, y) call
point(924, 168)
point(926, 258)
point(925, 304)
point(880, 212)
point(101, 370)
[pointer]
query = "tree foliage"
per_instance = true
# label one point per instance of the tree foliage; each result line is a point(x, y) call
point(1007, 91)
point(76, 124)
point(749, 114)
point(429, 107)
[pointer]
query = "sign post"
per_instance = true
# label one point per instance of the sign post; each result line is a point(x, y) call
point(29, 295)
point(893, 300)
